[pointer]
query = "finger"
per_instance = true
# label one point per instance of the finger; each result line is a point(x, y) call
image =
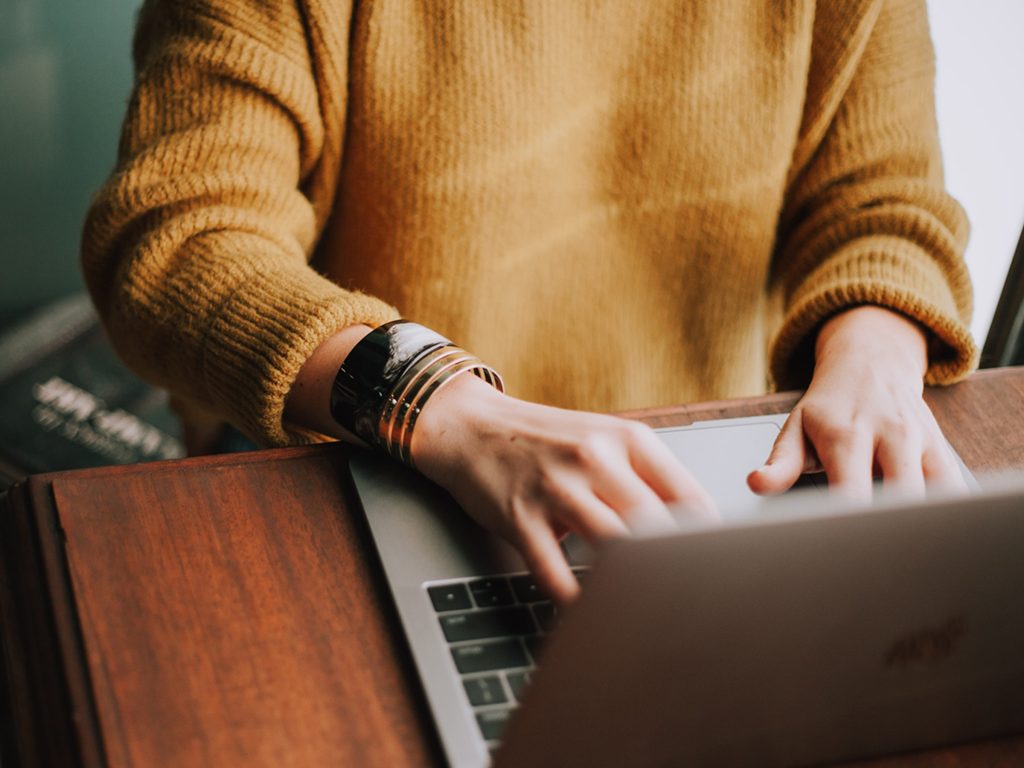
point(583, 513)
point(847, 454)
point(939, 466)
point(634, 501)
point(656, 465)
point(787, 461)
point(900, 462)
point(546, 561)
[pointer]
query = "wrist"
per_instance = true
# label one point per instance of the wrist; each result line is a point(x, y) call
point(308, 401)
point(385, 382)
point(452, 420)
point(867, 334)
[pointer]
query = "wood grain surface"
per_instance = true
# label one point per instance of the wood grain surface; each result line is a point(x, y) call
point(229, 610)
point(231, 617)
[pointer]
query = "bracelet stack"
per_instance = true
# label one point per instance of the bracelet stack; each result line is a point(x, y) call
point(387, 378)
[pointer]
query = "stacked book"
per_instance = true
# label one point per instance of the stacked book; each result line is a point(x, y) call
point(66, 401)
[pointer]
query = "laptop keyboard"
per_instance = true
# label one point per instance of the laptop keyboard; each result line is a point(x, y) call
point(494, 628)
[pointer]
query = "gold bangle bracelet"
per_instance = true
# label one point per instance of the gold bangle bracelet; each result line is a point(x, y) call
point(407, 389)
point(397, 399)
point(385, 380)
point(477, 368)
point(426, 385)
point(415, 388)
point(412, 401)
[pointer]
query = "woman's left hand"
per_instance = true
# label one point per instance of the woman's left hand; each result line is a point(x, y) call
point(863, 414)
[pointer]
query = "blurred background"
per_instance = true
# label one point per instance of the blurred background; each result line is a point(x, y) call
point(65, 74)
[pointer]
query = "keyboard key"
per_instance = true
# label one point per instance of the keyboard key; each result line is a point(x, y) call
point(518, 681)
point(533, 645)
point(449, 597)
point(478, 625)
point(486, 657)
point(546, 615)
point(492, 723)
point(484, 690)
point(810, 480)
point(491, 593)
point(526, 589)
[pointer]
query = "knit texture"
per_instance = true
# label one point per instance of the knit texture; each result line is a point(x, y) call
point(617, 205)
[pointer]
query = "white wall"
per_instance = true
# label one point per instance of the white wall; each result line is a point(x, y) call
point(980, 95)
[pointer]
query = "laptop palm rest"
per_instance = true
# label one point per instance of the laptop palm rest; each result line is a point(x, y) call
point(421, 534)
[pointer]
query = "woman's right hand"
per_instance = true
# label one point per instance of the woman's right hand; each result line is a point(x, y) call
point(527, 472)
point(532, 473)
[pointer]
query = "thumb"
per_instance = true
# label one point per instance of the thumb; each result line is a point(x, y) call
point(786, 462)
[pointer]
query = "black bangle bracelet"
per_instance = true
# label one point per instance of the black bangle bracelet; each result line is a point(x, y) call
point(372, 369)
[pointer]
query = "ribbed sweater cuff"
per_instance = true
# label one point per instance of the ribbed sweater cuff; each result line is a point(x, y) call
point(263, 334)
point(888, 272)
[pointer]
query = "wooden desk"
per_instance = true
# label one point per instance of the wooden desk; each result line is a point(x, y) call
point(227, 611)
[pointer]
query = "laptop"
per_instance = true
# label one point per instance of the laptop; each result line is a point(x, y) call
point(786, 635)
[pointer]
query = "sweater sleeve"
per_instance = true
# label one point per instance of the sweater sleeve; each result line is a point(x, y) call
point(867, 219)
point(196, 251)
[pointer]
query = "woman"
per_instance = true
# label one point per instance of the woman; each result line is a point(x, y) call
point(614, 208)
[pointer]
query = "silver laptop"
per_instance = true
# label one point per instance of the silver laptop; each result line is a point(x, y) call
point(784, 636)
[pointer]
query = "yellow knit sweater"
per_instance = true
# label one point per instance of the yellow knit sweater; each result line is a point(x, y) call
point(616, 204)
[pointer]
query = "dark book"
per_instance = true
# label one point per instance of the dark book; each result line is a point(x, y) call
point(67, 401)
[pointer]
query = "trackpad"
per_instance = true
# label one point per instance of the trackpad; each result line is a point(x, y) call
point(721, 456)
